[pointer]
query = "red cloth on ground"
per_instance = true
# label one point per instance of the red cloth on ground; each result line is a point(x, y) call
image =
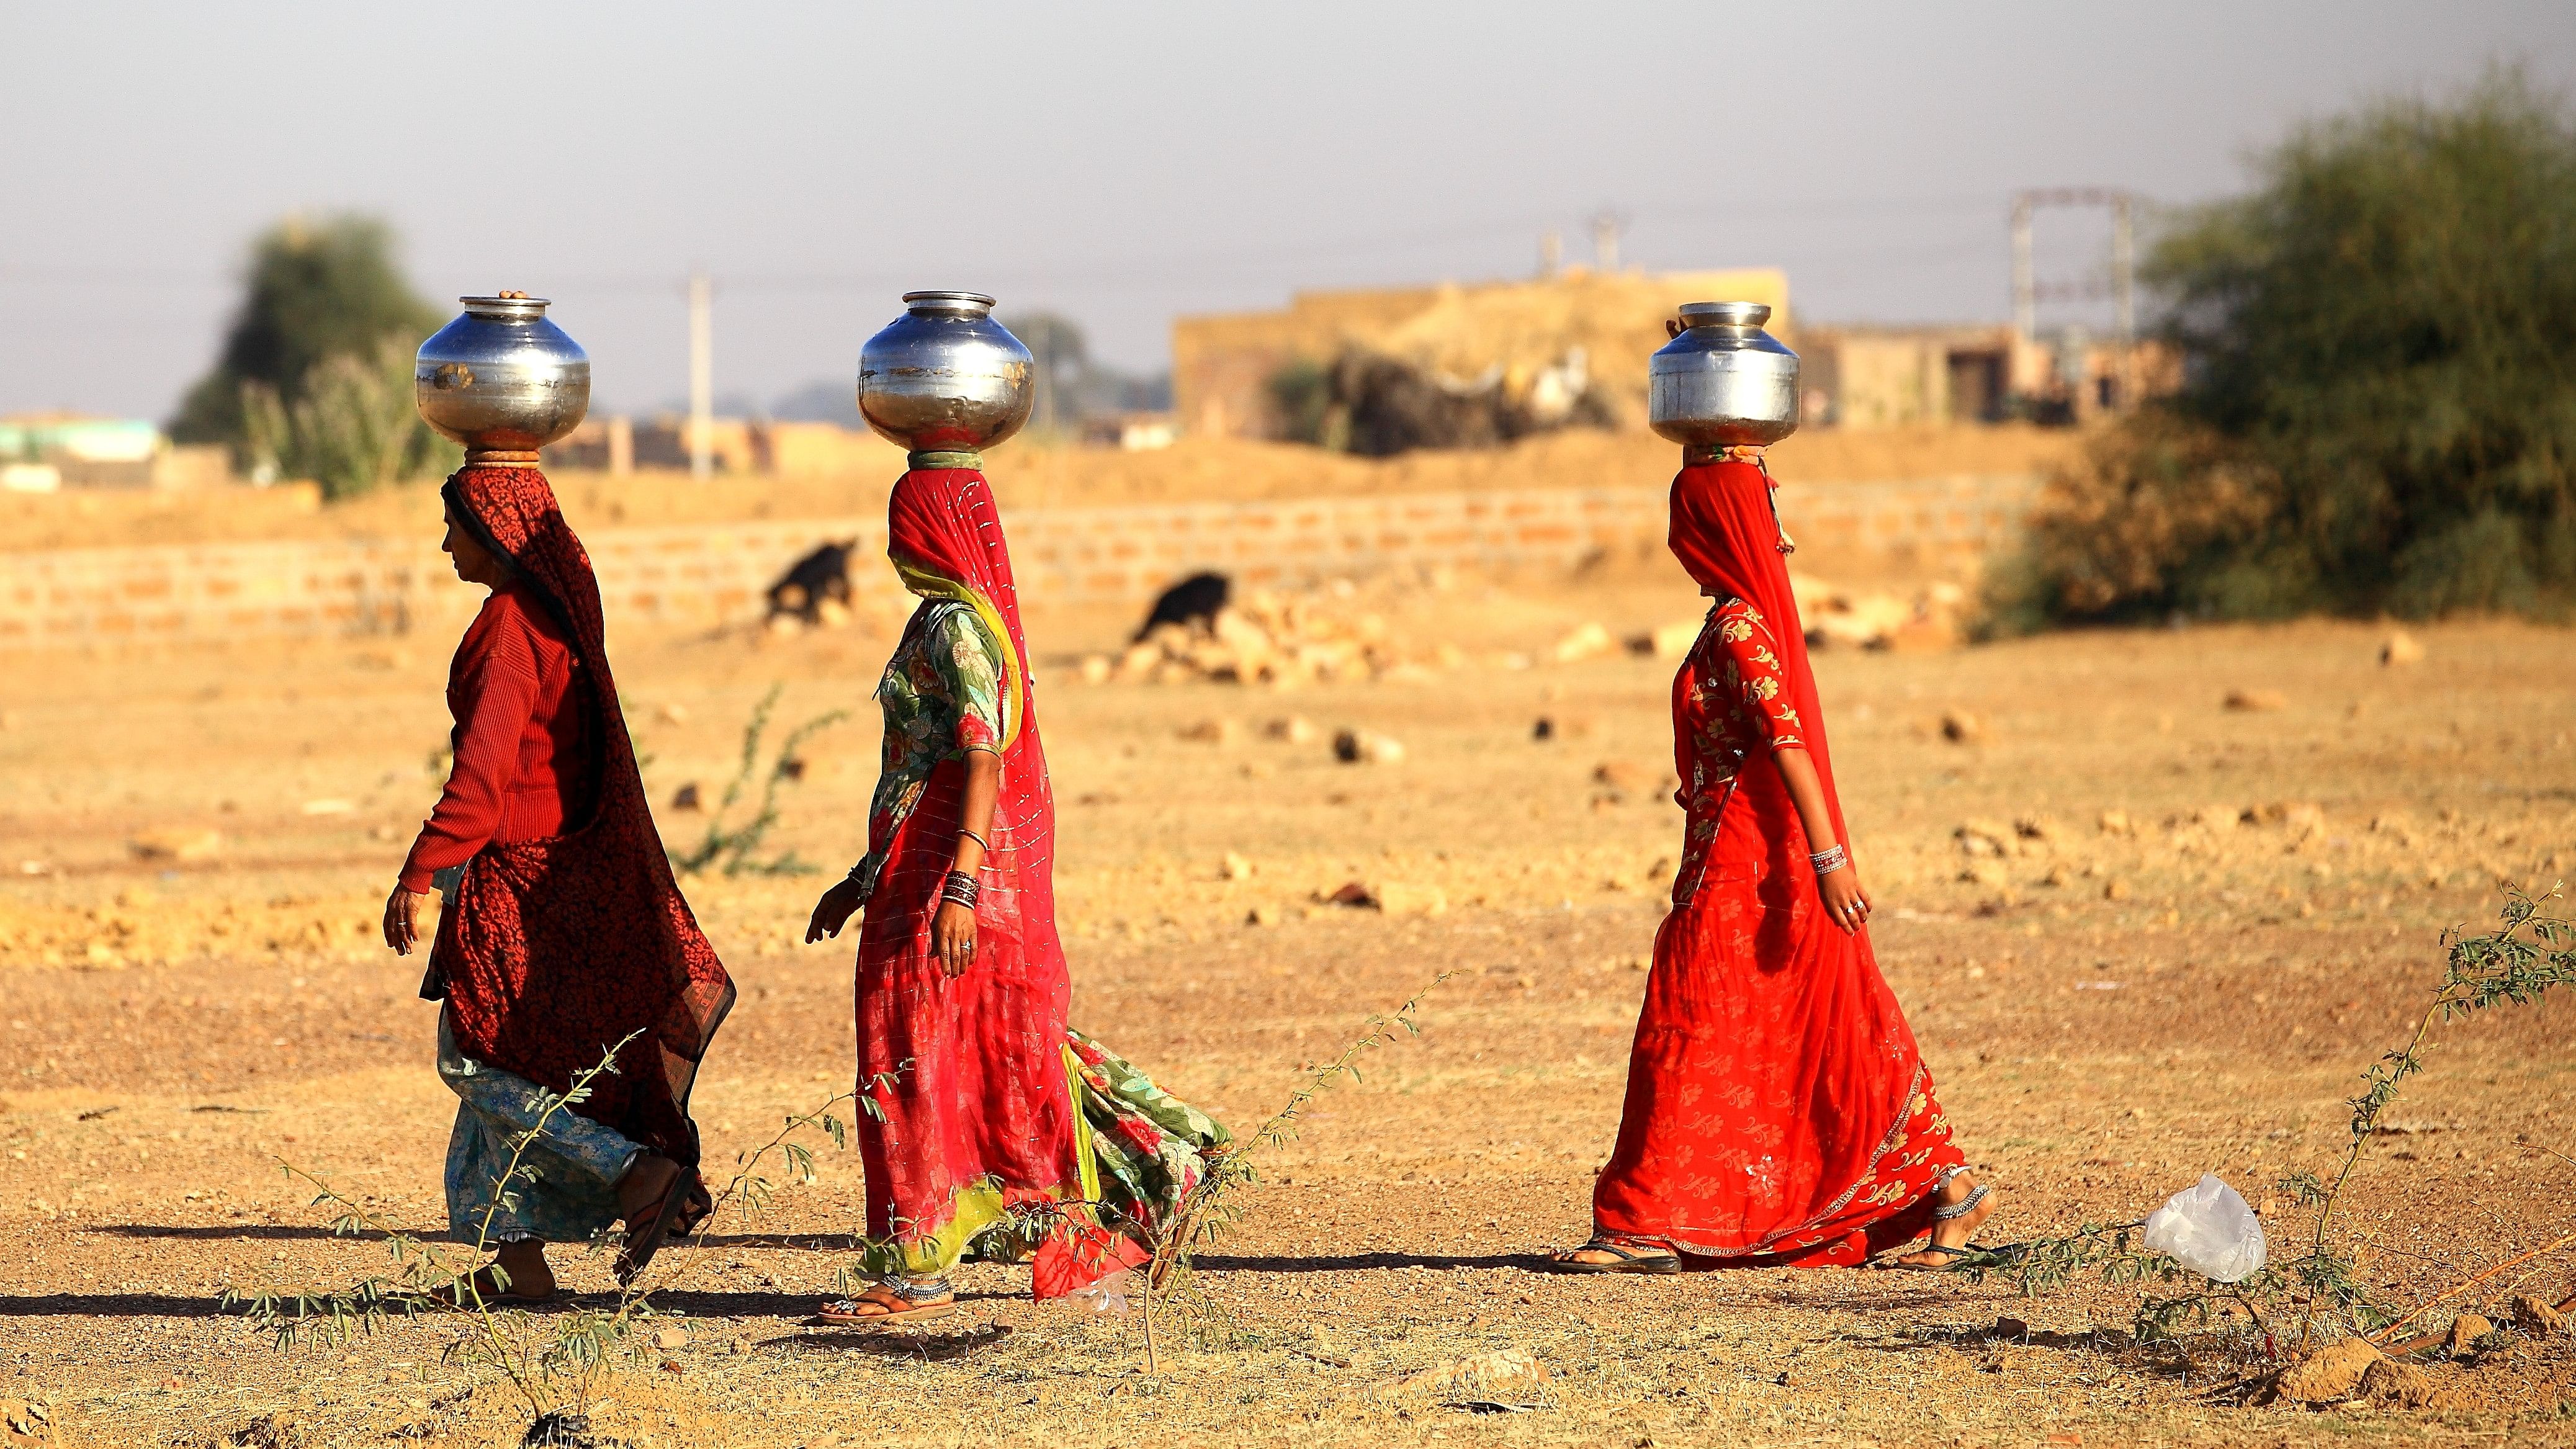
point(553, 950)
point(1777, 1110)
point(980, 1093)
point(522, 737)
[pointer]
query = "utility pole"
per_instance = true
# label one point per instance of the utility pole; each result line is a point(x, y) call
point(2025, 281)
point(2124, 295)
point(702, 375)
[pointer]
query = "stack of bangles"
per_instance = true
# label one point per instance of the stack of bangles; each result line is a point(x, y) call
point(1829, 860)
point(960, 889)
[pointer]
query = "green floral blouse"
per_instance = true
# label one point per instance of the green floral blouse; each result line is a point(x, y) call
point(942, 697)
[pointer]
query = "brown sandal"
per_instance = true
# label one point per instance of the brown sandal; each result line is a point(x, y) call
point(498, 1297)
point(1630, 1257)
point(659, 1224)
point(848, 1312)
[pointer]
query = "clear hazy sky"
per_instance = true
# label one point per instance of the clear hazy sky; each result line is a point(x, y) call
point(1119, 163)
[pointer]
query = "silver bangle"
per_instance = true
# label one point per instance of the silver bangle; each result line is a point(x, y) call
point(1829, 860)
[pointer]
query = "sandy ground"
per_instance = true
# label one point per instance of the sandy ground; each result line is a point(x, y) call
point(2108, 1012)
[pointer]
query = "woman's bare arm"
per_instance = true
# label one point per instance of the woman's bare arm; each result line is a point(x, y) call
point(1846, 904)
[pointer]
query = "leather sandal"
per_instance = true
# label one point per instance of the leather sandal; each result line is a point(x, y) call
point(1632, 1257)
point(856, 1312)
point(645, 1238)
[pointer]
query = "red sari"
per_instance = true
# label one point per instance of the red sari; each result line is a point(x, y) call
point(556, 946)
point(1778, 1111)
point(975, 1106)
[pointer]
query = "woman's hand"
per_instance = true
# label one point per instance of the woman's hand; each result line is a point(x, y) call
point(952, 938)
point(834, 910)
point(1846, 904)
point(402, 919)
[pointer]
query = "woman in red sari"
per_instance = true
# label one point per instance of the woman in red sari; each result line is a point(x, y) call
point(562, 936)
point(978, 1114)
point(1778, 1113)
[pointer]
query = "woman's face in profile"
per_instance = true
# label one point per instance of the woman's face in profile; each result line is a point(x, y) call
point(475, 564)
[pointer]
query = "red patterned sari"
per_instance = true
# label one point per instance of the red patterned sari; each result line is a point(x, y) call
point(976, 1108)
point(1777, 1111)
point(553, 950)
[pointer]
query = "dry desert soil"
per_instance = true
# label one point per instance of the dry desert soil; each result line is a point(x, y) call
point(2212, 920)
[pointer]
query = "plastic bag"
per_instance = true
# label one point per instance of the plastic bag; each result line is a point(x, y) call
point(1108, 1295)
point(2208, 1228)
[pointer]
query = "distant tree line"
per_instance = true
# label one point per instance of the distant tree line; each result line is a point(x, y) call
point(2379, 400)
point(315, 377)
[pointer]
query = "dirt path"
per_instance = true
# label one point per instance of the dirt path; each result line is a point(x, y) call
point(2109, 1012)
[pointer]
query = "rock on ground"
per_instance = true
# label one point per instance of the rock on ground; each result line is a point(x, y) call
point(2331, 1373)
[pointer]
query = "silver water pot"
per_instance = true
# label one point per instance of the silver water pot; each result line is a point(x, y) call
point(1724, 382)
point(945, 375)
point(502, 379)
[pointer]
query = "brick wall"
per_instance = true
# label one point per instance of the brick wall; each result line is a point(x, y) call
point(715, 574)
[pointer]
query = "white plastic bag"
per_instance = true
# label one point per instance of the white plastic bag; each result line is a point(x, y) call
point(1108, 1295)
point(2208, 1228)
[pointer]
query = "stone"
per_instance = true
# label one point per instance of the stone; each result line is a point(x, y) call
point(1625, 776)
point(178, 843)
point(2400, 648)
point(1979, 838)
point(1675, 639)
point(1962, 728)
point(2116, 822)
point(687, 797)
point(1397, 899)
point(1096, 668)
point(1212, 731)
point(670, 1339)
point(2331, 1374)
point(1590, 641)
point(1293, 729)
point(1234, 867)
point(2115, 889)
point(2536, 1317)
point(1510, 1368)
point(2397, 1385)
point(2256, 701)
point(2466, 1330)
point(1262, 916)
point(1357, 747)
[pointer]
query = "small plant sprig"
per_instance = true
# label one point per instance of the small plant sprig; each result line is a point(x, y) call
point(732, 850)
point(555, 1367)
point(2529, 953)
point(427, 1281)
point(1209, 1210)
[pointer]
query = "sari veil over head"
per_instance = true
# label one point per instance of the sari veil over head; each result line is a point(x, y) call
point(1726, 532)
point(551, 952)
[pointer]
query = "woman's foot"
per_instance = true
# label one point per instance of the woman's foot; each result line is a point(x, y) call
point(516, 1274)
point(1606, 1254)
point(1959, 1208)
point(648, 1199)
point(898, 1302)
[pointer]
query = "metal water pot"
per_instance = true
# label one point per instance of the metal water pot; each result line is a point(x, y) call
point(945, 375)
point(502, 379)
point(1724, 382)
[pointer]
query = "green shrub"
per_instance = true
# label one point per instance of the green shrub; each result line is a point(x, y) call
point(2379, 399)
